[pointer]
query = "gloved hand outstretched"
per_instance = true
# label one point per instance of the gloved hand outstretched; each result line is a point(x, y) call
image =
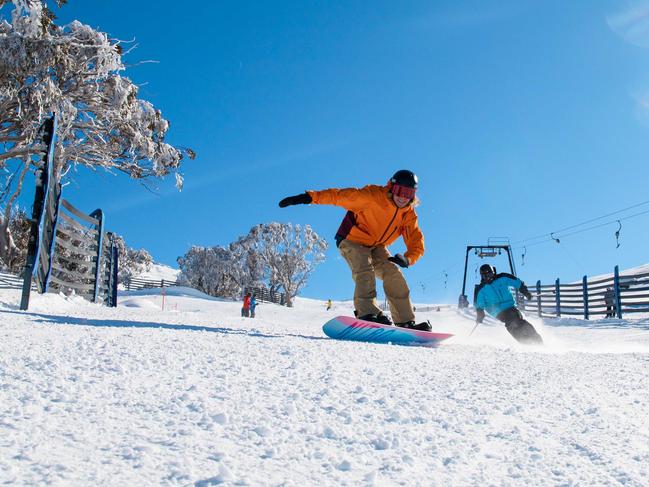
point(525, 292)
point(400, 260)
point(300, 199)
point(479, 315)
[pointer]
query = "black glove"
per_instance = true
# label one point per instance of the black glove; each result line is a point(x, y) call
point(400, 260)
point(300, 199)
point(525, 292)
point(480, 315)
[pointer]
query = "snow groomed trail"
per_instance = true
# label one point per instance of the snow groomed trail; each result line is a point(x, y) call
point(197, 395)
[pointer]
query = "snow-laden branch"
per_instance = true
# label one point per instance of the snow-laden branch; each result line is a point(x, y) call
point(76, 72)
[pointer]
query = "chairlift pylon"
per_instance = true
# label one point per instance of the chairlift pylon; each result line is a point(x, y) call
point(483, 251)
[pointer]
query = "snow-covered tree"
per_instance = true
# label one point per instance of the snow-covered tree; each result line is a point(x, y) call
point(274, 256)
point(210, 270)
point(290, 253)
point(19, 229)
point(73, 71)
point(131, 262)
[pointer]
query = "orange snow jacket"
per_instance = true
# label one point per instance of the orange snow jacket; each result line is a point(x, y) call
point(373, 219)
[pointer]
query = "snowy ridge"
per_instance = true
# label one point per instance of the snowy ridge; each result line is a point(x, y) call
point(158, 272)
point(196, 395)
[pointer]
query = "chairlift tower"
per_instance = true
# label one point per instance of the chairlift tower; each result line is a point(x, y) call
point(494, 247)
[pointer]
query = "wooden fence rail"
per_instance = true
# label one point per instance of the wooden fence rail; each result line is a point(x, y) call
point(610, 296)
point(135, 283)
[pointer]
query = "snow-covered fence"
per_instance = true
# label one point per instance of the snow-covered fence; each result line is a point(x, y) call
point(84, 257)
point(10, 281)
point(135, 283)
point(610, 296)
point(264, 295)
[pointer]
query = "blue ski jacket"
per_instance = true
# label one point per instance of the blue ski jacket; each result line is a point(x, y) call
point(497, 295)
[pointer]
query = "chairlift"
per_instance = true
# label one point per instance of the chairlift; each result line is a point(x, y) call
point(483, 251)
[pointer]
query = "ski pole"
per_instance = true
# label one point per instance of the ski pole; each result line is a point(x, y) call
point(476, 325)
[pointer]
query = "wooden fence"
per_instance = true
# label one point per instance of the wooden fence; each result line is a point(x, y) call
point(67, 249)
point(84, 257)
point(264, 295)
point(136, 283)
point(610, 296)
point(11, 281)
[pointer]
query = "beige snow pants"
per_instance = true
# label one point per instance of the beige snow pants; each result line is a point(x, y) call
point(368, 263)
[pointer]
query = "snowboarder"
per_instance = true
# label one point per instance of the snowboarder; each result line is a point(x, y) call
point(245, 309)
point(494, 294)
point(376, 217)
point(253, 306)
point(329, 304)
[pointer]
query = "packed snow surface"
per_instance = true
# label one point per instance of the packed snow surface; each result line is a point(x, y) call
point(193, 394)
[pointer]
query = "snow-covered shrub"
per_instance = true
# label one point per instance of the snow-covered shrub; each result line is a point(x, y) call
point(131, 262)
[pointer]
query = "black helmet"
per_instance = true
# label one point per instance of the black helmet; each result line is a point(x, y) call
point(405, 178)
point(487, 272)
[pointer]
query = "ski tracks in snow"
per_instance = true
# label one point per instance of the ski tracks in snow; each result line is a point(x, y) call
point(200, 396)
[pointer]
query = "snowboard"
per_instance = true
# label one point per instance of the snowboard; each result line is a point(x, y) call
point(348, 328)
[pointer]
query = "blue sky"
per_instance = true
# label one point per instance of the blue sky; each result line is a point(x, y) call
point(519, 117)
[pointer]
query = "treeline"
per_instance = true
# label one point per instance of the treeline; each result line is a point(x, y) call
point(275, 256)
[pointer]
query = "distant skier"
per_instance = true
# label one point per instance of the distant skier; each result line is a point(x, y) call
point(245, 309)
point(609, 299)
point(329, 304)
point(376, 217)
point(494, 293)
point(253, 306)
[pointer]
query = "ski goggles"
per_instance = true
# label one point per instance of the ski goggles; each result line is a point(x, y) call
point(403, 191)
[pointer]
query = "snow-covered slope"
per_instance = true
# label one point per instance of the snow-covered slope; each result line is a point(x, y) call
point(158, 272)
point(193, 394)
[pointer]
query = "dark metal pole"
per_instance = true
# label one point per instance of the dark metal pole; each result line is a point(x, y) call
point(466, 263)
point(584, 285)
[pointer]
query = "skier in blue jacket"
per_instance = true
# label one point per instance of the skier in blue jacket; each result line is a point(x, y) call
point(494, 294)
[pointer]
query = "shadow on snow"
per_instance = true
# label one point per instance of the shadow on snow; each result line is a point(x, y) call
point(71, 320)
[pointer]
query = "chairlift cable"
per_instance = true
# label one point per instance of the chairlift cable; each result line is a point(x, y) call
point(583, 223)
point(552, 238)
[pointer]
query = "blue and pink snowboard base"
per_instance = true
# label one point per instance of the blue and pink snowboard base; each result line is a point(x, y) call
point(348, 328)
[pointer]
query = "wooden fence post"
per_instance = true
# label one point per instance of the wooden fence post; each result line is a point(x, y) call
point(44, 181)
point(557, 290)
point(584, 285)
point(616, 284)
point(538, 298)
point(98, 215)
